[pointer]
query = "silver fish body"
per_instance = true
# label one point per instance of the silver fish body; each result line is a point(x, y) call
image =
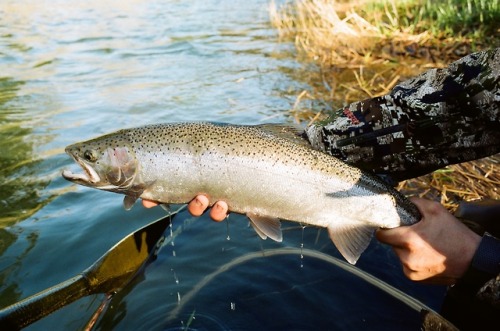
point(266, 172)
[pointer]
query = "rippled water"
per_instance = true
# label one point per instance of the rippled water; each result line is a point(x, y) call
point(73, 70)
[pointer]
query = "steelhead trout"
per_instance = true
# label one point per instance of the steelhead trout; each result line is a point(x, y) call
point(265, 171)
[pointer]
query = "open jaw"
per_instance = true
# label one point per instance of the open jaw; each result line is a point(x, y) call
point(89, 176)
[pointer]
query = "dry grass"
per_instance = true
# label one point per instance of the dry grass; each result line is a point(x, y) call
point(350, 34)
point(364, 52)
point(467, 181)
point(360, 58)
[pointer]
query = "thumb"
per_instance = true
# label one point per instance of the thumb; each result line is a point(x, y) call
point(394, 237)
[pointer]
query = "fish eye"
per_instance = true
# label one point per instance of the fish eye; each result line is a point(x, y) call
point(90, 155)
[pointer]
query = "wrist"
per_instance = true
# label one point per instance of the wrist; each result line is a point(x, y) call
point(487, 256)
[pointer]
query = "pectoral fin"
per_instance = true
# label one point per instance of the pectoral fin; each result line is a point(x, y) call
point(266, 226)
point(351, 239)
point(128, 202)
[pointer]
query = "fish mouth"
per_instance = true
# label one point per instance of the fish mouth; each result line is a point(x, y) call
point(88, 177)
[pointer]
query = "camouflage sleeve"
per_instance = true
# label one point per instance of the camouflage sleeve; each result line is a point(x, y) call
point(441, 117)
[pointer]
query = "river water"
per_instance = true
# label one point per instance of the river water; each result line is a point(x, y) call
point(72, 70)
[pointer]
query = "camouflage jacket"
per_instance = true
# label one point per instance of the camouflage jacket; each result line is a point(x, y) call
point(443, 116)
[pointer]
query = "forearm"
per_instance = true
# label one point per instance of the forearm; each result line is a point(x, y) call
point(441, 117)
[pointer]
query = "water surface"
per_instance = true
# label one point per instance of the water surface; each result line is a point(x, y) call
point(74, 70)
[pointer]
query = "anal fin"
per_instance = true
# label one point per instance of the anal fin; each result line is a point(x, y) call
point(351, 239)
point(266, 226)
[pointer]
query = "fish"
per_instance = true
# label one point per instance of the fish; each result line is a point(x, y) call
point(268, 172)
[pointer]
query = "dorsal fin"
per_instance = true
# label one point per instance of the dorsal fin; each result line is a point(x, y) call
point(351, 239)
point(289, 132)
point(266, 226)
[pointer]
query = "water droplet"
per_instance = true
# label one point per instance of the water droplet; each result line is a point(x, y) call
point(175, 277)
point(178, 298)
point(302, 248)
point(302, 245)
point(233, 306)
point(227, 229)
point(171, 235)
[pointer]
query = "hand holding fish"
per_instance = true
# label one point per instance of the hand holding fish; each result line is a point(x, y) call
point(437, 250)
point(198, 205)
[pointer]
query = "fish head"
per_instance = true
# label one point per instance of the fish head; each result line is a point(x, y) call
point(108, 163)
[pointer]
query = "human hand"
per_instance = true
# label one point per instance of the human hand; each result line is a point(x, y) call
point(436, 250)
point(198, 205)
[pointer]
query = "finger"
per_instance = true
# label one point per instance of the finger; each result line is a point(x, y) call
point(198, 205)
point(417, 200)
point(149, 203)
point(219, 211)
point(427, 206)
point(395, 237)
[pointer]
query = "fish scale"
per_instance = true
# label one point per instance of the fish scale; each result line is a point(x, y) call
point(267, 172)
